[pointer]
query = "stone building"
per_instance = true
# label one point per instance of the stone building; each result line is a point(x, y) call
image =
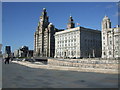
point(16, 53)
point(77, 42)
point(21, 52)
point(7, 51)
point(30, 53)
point(110, 39)
point(44, 41)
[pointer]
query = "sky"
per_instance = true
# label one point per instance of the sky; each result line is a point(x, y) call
point(20, 19)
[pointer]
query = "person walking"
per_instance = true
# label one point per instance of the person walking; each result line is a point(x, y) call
point(7, 59)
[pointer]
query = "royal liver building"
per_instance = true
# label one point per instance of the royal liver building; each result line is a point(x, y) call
point(44, 42)
point(110, 39)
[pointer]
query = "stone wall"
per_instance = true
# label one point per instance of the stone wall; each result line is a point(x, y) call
point(109, 65)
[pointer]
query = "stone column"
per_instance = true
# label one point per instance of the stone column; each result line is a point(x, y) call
point(49, 52)
point(37, 37)
point(35, 44)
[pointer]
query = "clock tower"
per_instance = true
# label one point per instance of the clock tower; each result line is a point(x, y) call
point(44, 41)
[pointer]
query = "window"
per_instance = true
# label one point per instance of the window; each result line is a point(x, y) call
point(109, 52)
point(110, 42)
point(104, 53)
point(116, 42)
point(104, 48)
point(68, 44)
point(75, 40)
point(104, 43)
point(74, 43)
point(116, 52)
point(72, 53)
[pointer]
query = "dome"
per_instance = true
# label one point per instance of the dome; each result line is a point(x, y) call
point(50, 24)
point(44, 9)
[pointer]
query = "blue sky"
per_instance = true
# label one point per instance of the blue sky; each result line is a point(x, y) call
point(20, 19)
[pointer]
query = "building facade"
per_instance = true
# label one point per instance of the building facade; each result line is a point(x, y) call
point(44, 41)
point(16, 53)
point(21, 52)
point(110, 39)
point(30, 53)
point(7, 51)
point(77, 42)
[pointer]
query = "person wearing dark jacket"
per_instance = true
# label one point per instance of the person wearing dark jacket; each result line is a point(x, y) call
point(7, 60)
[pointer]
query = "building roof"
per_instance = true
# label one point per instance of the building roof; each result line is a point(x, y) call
point(77, 29)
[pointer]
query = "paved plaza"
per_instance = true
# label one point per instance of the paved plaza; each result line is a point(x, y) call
point(19, 76)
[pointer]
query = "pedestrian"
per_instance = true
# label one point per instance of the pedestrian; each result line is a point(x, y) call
point(7, 60)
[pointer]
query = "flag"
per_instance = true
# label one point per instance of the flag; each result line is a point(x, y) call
point(78, 23)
